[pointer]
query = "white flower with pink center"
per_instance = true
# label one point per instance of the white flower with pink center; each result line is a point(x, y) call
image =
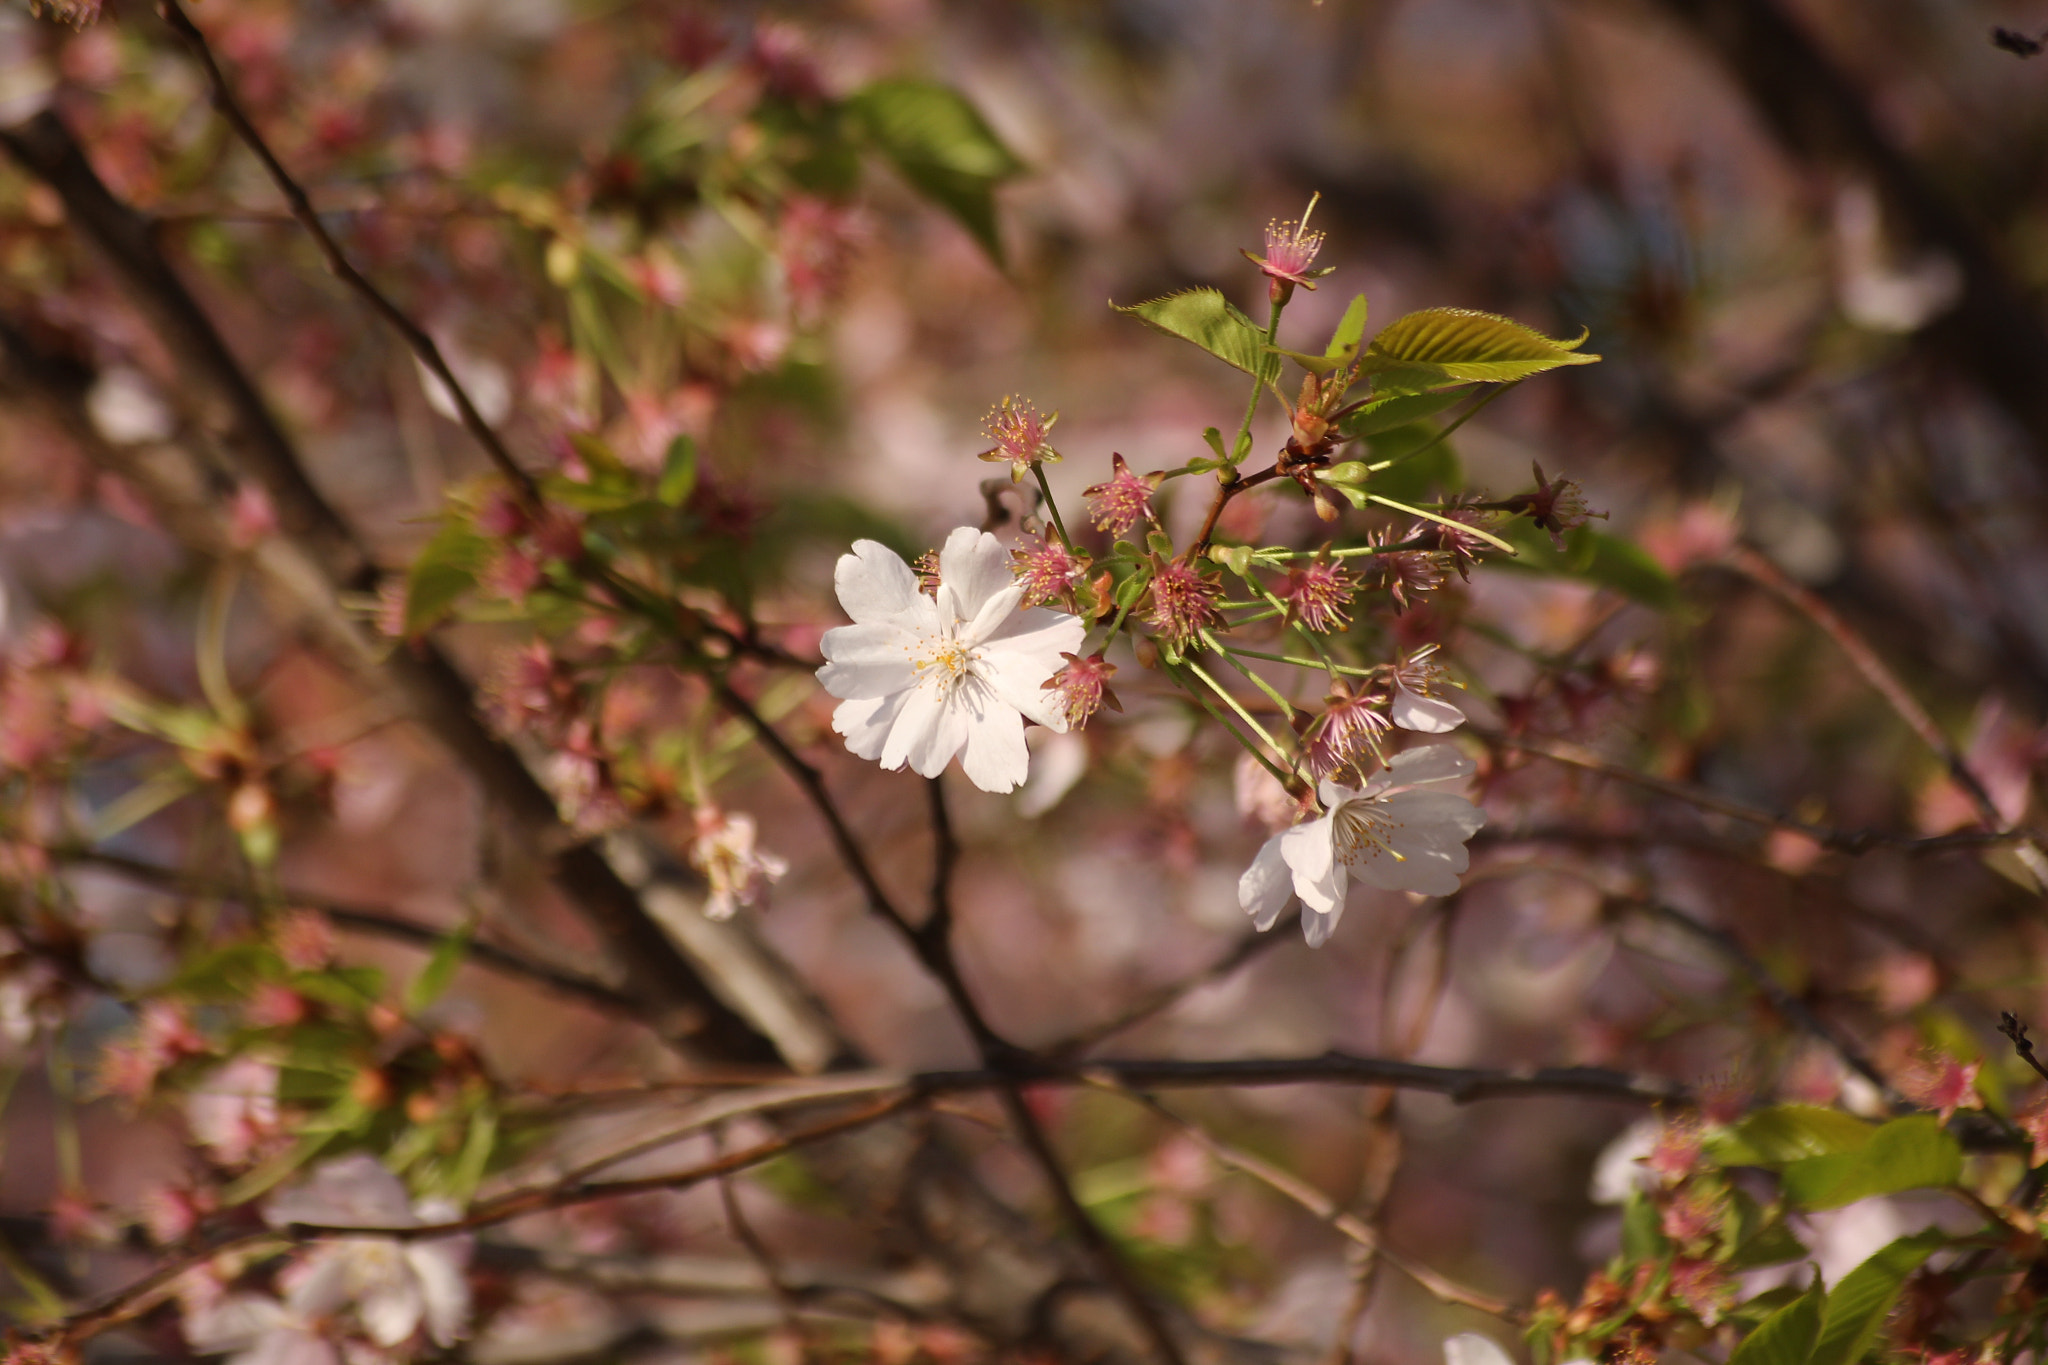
point(923, 678)
point(1398, 833)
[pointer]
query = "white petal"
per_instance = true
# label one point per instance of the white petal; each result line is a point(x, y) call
point(870, 660)
point(996, 759)
point(1311, 853)
point(916, 717)
point(444, 1286)
point(290, 1346)
point(391, 1311)
point(976, 567)
point(1430, 763)
point(1040, 628)
point(1333, 794)
point(1318, 925)
point(996, 610)
point(866, 722)
point(949, 728)
point(351, 1191)
point(1429, 835)
point(1266, 886)
point(1017, 678)
point(324, 1288)
point(1427, 715)
point(1469, 1348)
point(875, 584)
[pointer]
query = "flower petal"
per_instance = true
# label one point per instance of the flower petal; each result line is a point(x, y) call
point(975, 567)
point(1318, 925)
point(874, 583)
point(1266, 886)
point(933, 746)
point(391, 1310)
point(996, 759)
point(444, 1286)
point(1429, 834)
point(1430, 763)
point(868, 660)
point(1311, 853)
point(1427, 715)
point(865, 722)
point(1017, 679)
point(1469, 1348)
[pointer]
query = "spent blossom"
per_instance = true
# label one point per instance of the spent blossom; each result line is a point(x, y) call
point(1182, 602)
point(1019, 435)
point(1558, 505)
point(1408, 572)
point(1082, 687)
point(1047, 570)
point(725, 852)
point(1456, 546)
point(1398, 833)
point(1318, 595)
point(1416, 704)
point(959, 672)
point(1350, 725)
point(1123, 502)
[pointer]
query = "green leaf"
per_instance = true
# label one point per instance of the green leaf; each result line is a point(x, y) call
point(1642, 1239)
point(1206, 318)
point(1215, 440)
point(439, 973)
point(1350, 331)
point(1858, 1306)
point(477, 1145)
point(1910, 1153)
point(678, 472)
point(1786, 1337)
point(444, 573)
point(1398, 410)
point(1595, 556)
point(942, 146)
point(1786, 1133)
point(1440, 346)
point(1131, 589)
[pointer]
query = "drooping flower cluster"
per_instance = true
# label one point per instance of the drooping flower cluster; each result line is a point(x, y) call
point(1399, 832)
point(924, 678)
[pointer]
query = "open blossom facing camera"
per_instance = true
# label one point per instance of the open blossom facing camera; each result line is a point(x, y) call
point(923, 678)
point(1398, 833)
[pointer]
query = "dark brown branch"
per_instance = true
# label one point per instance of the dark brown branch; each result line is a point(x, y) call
point(301, 207)
point(363, 920)
point(676, 1000)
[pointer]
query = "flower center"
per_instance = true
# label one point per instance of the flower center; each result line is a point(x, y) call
point(949, 663)
point(1361, 828)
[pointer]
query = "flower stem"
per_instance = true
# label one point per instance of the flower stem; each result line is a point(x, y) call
point(1433, 442)
point(1251, 409)
point(1286, 706)
point(1232, 702)
point(1038, 472)
point(1280, 774)
point(1464, 526)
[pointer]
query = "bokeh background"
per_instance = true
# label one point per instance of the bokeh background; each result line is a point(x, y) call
point(1807, 236)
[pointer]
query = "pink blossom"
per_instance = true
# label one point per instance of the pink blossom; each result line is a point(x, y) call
point(1125, 501)
point(251, 517)
point(1083, 687)
point(163, 1037)
point(233, 1111)
point(724, 850)
point(1939, 1082)
point(1183, 602)
point(1019, 434)
point(1318, 595)
point(1558, 505)
point(1408, 572)
point(1350, 725)
point(1047, 569)
point(1417, 706)
point(1290, 250)
point(305, 940)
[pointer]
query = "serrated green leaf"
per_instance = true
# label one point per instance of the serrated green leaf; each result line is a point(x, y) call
point(1447, 345)
point(1787, 1336)
point(678, 472)
point(1910, 1153)
point(1858, 1306)
point(439, 974)
point(1350, 331)
point(443, 575)
point(1206, 318)
point(1398, 410)
point(1789, 1132)
point(942, 146)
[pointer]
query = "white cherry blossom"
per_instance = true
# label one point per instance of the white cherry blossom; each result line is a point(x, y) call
point(396, 1286)
point(1397, 833)
point(1416, 705)
point(924, 677)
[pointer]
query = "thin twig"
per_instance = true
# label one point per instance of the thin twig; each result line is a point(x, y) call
point(1782, 1000)
point(1164, 997)
point(301, 207)
point(2009, 1024)
point(1324, 1208)
point(358, 919)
